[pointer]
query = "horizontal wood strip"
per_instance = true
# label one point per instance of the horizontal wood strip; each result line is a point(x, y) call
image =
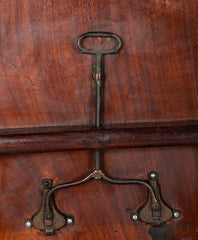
point(60, 139)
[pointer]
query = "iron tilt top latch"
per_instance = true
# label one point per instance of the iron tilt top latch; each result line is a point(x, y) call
point(154, 211)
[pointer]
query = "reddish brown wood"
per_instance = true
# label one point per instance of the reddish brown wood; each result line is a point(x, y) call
point(56, 139)
point(100, 209)
point(46, 82)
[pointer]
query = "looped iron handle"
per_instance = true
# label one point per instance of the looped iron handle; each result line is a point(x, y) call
point(50, 219)
point(97, 73)
point(99, 34)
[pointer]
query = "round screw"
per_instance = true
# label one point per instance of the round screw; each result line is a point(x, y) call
point(47, 183)
point(135, 217)
point(28, 223)
point(153, 175)
point(47, 215)
point(69, 221)
point(176, 214)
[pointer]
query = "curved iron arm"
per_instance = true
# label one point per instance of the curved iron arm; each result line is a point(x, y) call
point(98, 174)
point(154, 211)
point(49, 218)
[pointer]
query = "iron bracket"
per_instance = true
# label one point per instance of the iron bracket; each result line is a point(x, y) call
point(49, 218)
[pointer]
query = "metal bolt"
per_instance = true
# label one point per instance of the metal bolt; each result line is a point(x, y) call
point(69, 221)
point(47, 216)
point(135, 217)
point(46, 183)
point(153, 175)
point(28, 223)
point(176, 214)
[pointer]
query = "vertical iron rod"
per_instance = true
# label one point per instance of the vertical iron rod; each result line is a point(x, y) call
point(98, 105)
point(98, 90)
point(97, 160)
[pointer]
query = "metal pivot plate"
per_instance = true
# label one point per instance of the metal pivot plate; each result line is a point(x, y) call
point(155, 212)
point(96, 76)
point(51, 223)
point(148, 214)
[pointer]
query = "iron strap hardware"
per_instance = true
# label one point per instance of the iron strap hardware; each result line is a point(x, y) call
point(97, 69)
point(154, 211)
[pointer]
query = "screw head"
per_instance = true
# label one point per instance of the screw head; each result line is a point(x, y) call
point(47, 215)
point(153, 175)
point(69, 221)
point(135, 217)
point(176, 214)
point(47, 183)
point(28, 223)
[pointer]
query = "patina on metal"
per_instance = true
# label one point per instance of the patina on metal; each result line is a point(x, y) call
point(97, 78)
point(151, 215)
point(98, 68)
point(49, 221)
point(155, 212)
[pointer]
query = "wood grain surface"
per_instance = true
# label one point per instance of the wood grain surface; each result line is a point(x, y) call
point(46, 81)
point(46, 88)
point(101, 210)
point(59, 139)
